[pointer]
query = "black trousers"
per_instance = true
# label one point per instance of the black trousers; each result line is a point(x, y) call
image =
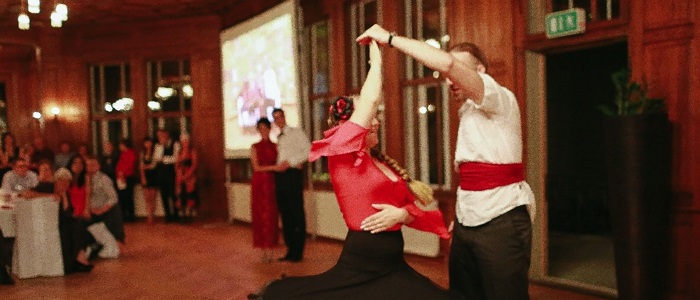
point(166, 185)
point(126, 200)
point(491, 261)
point(289, 190)
point(7, 245)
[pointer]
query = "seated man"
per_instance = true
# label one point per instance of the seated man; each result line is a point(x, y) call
point(17, 180)
point(20, 178)
point(106, 223)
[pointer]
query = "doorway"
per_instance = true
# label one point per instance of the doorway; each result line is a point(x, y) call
point(580, 247)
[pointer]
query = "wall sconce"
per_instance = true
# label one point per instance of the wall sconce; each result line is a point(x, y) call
point(39, 118)
point(55, 111)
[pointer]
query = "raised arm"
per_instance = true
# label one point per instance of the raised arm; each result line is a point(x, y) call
point(457, 70)
point(370, 94)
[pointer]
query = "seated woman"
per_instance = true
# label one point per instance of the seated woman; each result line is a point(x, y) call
point(376, 198)
point(71, 189)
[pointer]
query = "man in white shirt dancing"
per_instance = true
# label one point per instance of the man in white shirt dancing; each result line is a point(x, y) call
point(491, 243)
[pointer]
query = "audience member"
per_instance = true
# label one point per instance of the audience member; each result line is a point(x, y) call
point(8, 153)
point(83, 150)
point(20, 178)
point(149, 177)
point(106, 224)
point(26, 152)
point(63, 156)
point(165, 154)
point(108, 160)
point(74, 195)
point(186, 178)
point(126, 179)
point(41, 152)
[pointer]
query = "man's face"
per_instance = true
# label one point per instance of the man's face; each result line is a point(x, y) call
point(279, 119)
point(471, 61)
point(162, 137)
point(21, 168)
point(92, 166)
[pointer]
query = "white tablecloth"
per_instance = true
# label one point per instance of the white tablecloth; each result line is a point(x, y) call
point(37, 241)
point(7, 222)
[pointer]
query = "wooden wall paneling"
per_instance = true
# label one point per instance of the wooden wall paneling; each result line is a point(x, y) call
point(244, 10)
point(693, 259)
point(313, 11)
point(337, 46)
point(665, 37)
point(667, 13)
point(208, 133)
point(23, 98)
point(139, 120)
point(679, 270)
point(671, 82)
point(392, 19)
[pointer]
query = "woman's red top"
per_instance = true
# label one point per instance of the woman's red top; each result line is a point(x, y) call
point(358, 182)
point(78, 199)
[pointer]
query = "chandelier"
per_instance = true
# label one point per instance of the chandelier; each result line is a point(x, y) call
point(58, 15)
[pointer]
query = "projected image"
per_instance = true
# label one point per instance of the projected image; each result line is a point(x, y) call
point(259, 74)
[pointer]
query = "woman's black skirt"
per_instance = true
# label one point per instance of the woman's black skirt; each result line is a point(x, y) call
point(371, 266)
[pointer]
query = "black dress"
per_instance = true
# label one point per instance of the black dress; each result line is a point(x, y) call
point(371, 266)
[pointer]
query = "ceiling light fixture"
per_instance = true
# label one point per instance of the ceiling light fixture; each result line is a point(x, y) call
point(58, 15)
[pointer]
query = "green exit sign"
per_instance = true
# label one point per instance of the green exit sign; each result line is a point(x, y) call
point(565, 22)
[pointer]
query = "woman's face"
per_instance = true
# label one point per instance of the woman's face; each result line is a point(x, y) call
point(264, 131)
point(77, 166)
point(45, 172)
point(372, 137)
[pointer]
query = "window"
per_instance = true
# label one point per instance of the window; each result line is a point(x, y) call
point(111, 104)
point(170, 95)
point(596, 10)
point(315, 44)
point(426, 97)
point(361, 15)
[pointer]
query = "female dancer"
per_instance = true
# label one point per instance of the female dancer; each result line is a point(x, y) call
point(371, 265)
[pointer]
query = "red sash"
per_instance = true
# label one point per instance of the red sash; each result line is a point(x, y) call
point(477, 176)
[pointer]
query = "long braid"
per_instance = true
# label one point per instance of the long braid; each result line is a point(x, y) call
point(420, 190)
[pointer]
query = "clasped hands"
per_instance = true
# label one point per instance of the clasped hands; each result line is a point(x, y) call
point(375, 33)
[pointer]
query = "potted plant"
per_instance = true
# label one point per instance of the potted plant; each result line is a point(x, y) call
point(638, 153)
point(631, 98)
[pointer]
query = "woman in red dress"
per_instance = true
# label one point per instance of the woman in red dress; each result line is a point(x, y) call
point(263, 158)
point(376, 197)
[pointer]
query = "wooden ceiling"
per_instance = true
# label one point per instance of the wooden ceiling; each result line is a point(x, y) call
point(85, 13)
point(90, 12)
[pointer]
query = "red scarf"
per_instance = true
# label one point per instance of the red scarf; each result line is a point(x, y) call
point(477, 176)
